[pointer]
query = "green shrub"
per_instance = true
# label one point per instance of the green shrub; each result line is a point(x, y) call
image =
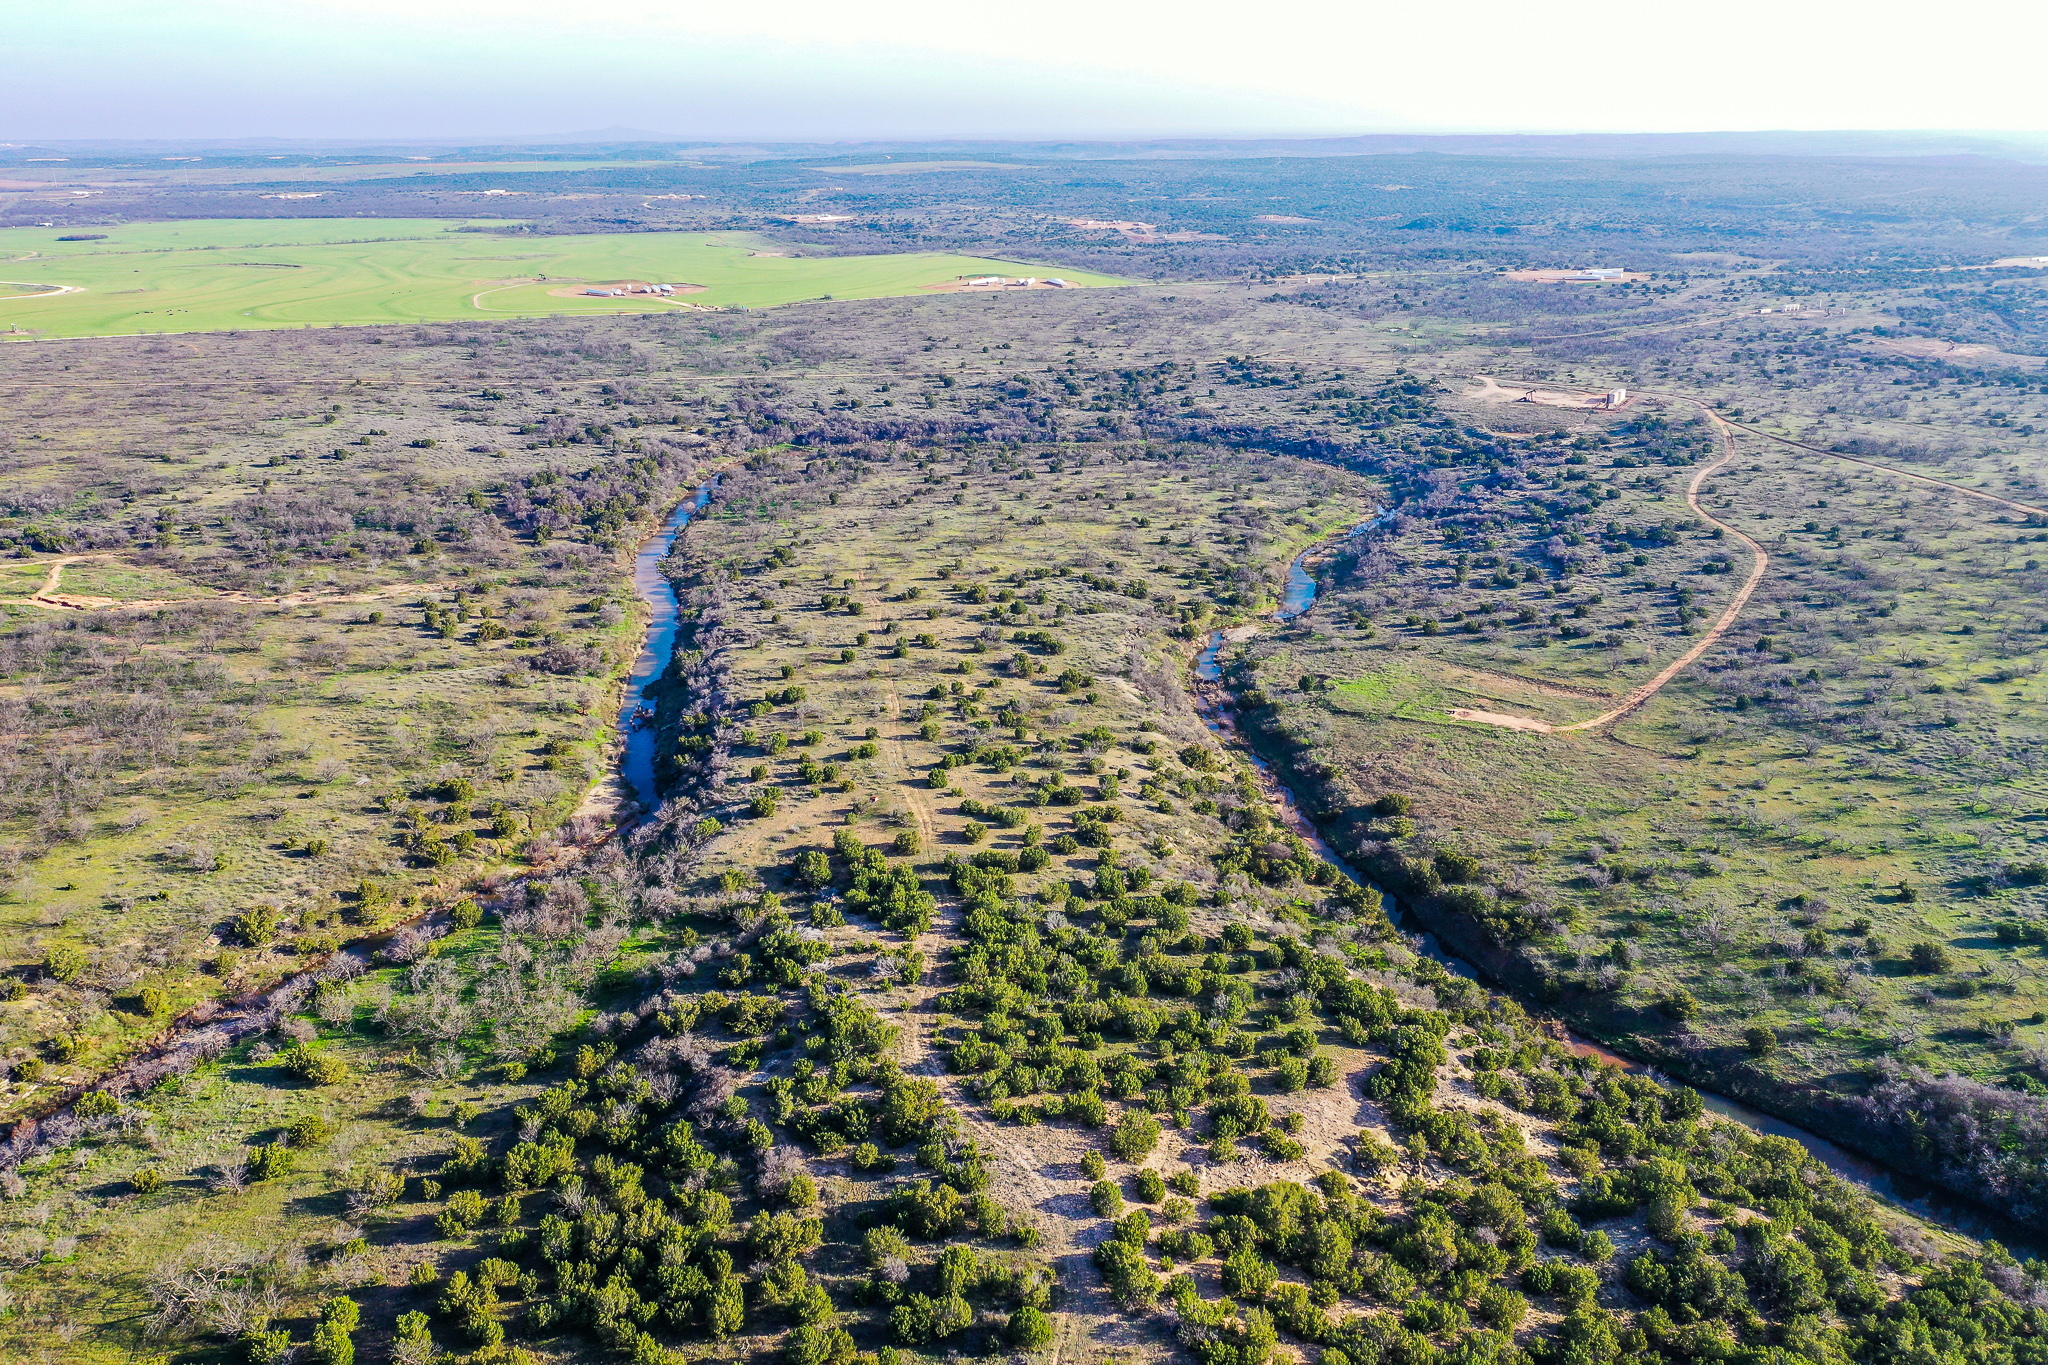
point(1131, 1279)
point(1030, 1329)
point(414, 1341)
point(1928, 958)
point(1558, 1228)
point(812, 870)
point(1248, 1274)
point(497, 1272)
point(270, 1161)
point(65, 962)
point(1666, 1217)
point(467, 1159)
point(272, 1346)
point(1502, 1307)
point(332, 1339)
point(309, 1130)
point(464, 1210)
point(320, 1068)
point(869, 1157)
point(1681, 1004)
point(1279, 1146)
point(812, 1344)
point(1136, 1134)
point(531, 1165)
point(257, 925)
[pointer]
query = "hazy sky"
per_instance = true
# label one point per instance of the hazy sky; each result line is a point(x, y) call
point(1054, 68)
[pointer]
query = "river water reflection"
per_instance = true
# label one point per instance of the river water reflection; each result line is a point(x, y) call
point(636, 763)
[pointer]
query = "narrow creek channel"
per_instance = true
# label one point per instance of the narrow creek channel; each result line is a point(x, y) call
point(636, 759)
point(1895, 1187)
point(207, 1031)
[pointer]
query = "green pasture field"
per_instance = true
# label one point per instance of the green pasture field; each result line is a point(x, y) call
point(218, 275)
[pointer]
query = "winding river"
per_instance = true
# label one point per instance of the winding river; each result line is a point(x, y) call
point(1920, 1197)
point(1298, 596)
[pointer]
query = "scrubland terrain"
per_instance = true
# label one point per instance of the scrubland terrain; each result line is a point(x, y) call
point(1805, 872)
point(1810, 858)
point(314, 649)
point(968, 994)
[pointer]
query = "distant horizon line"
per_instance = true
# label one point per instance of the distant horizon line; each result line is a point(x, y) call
point(626, 136)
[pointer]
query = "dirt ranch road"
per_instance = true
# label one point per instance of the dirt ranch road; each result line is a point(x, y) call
point(1991, 498)
point(1676, 666)
point(49, 599)
point(1727, 431)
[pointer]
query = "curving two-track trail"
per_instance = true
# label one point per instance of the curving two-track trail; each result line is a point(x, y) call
point(1726, 430)
point(49, 599)
point(1671, 670)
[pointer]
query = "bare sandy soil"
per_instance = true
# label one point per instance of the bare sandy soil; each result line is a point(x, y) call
point(1491, 390)
point(39, 291)
point(1134, 231)
point(1571, 275)
point(1495, 718)
point(1930, 347)
point(1934, 348)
